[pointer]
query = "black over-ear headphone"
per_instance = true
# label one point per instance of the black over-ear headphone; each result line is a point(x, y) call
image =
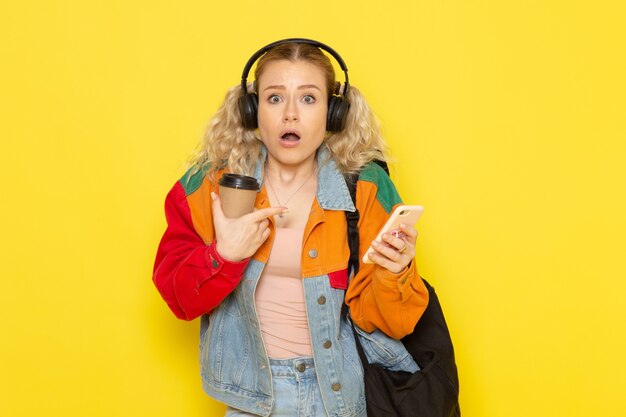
point(338, 106)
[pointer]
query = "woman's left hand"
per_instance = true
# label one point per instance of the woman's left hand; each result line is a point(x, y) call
point(397, 249)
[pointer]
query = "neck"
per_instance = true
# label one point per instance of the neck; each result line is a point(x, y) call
point(284, 184)
point(287, 174)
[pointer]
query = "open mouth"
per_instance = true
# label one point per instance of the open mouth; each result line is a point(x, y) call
point(290, 136)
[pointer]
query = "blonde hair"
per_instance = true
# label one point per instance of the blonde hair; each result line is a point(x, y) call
point(227, 144)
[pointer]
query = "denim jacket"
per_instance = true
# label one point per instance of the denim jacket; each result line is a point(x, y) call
point(234, 364)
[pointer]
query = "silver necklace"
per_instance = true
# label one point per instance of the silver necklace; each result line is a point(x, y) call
point(267, 178)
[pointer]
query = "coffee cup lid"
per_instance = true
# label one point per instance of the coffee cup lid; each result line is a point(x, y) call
point(238, 181)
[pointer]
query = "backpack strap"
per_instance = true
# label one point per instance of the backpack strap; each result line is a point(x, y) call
point(352, 219)
point(383, 165)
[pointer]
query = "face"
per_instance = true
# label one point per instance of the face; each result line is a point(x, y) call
point(293, 102)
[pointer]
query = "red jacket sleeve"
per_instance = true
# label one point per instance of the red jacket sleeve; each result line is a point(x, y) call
point(192, 277)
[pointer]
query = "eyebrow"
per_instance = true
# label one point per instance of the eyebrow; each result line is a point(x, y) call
point(301, 87)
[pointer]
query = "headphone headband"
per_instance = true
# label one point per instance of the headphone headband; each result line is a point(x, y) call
point(266, 48)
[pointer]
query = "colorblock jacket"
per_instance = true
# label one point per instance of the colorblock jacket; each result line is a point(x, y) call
point(195, 281)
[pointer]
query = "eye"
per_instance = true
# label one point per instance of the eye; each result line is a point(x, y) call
point(274, 99)
point(308, 99)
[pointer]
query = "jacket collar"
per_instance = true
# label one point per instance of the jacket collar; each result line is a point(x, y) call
point(332, 191)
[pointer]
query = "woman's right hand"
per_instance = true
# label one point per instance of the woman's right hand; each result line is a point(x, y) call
point(238, 239)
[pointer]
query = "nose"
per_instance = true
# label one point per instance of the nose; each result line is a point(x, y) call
point(291, 113)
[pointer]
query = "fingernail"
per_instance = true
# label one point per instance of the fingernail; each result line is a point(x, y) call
point(213, 196)
point(385, 235)
point(375, 243)
point(402, 225)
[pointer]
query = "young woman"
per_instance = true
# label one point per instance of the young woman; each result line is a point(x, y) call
point(270, 285)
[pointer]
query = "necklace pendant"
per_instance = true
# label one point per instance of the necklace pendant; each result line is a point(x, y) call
point(281, 215)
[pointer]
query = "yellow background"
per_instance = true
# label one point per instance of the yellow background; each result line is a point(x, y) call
point(507, 122)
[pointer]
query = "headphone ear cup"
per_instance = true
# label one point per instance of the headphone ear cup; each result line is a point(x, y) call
point(331, 110)
point(248, 108)
point(337, 113)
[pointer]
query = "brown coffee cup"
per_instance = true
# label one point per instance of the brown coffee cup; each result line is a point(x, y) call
point(238, 194)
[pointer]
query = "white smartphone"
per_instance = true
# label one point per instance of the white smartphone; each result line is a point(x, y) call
point(402, 214)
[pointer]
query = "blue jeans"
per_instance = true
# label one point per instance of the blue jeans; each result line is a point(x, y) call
point(296, 392)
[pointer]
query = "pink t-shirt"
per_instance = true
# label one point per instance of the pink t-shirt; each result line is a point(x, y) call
point(279, 299)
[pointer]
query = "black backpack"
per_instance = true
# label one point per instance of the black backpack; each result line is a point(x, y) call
point(433, 391)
